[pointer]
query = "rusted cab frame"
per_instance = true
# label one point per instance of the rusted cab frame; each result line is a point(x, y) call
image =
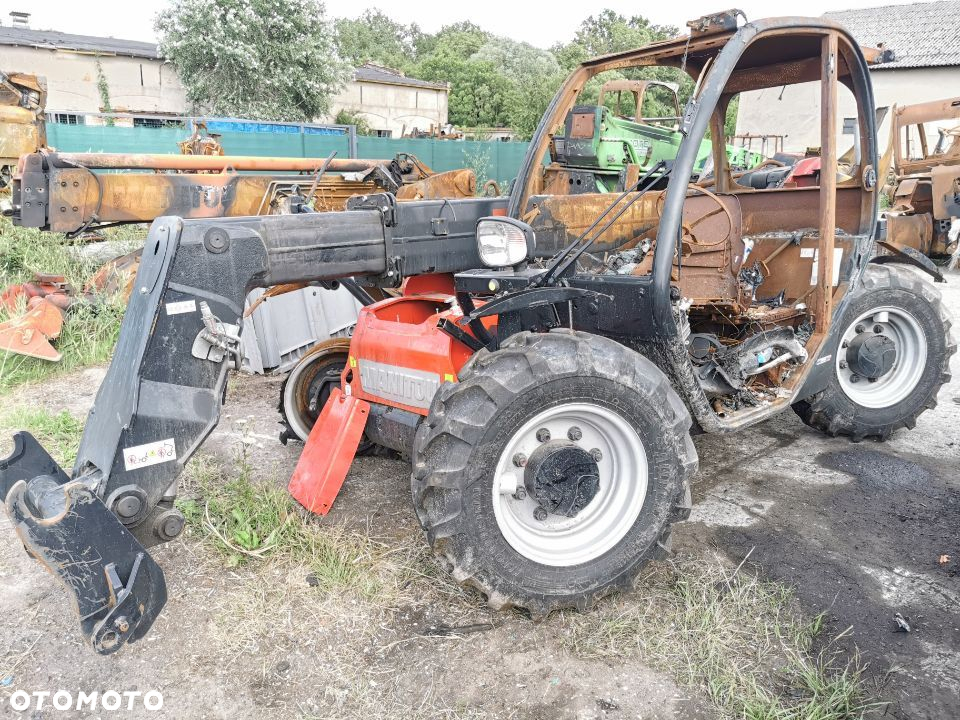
point(639, 89)
point(725, 60)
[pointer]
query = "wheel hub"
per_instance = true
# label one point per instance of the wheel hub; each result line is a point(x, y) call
point(871, 355)
point(562, 477)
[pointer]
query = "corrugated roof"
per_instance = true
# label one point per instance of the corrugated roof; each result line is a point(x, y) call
point(54, 40)
point(381, 74)
point(920, 34)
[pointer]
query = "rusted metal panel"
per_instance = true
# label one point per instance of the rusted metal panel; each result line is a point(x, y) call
point(945, 182)
point(450, 184)
point(914, 231)
point(823, 296)
point(221, 163)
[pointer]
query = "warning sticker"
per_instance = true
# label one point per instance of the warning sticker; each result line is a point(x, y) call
point(183, 306)
point(142, 456)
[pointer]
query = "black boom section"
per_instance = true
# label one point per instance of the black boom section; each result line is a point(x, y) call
point(162, 394)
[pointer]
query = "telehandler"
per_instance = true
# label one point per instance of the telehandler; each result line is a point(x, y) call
point(547, 361)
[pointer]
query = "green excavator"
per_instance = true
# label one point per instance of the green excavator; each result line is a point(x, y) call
point(602, 142)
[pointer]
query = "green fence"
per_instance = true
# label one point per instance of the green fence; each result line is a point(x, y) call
point(491, 160)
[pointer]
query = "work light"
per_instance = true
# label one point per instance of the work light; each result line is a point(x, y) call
point(503, 241)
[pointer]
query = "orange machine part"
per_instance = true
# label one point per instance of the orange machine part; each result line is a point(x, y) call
point(328, 452)
point(30, 334)
point(429, 284)
point(403, 332)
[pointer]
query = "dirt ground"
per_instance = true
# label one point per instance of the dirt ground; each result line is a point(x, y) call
point(858, 530)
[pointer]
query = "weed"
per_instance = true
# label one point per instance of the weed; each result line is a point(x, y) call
point(740, 638)
point(58, 433)
point(249, 520)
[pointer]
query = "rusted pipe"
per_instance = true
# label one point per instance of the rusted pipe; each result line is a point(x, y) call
point(118, 161)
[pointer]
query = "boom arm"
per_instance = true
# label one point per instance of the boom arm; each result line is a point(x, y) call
point(162, 393)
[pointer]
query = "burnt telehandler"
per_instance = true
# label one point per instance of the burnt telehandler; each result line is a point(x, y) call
point(547, 392)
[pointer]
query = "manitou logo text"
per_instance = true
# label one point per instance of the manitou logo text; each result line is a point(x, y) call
point(399, 384)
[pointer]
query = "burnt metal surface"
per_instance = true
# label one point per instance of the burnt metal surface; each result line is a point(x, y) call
point(66, 193)
point(22, 124)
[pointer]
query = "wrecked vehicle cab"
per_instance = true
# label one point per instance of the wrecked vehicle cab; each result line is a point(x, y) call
point(549, 354)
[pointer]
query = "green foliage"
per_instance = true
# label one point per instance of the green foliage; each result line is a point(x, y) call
point(740, 638)
point(252, 520)
point(346, 117)
point(496, 81)
point(610, 32)
point(374, 37)
point(59, 433)
point(103, 87)
point(263, 59)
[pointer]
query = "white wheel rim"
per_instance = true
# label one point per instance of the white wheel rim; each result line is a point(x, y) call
point(902, 379)
point(561, 541)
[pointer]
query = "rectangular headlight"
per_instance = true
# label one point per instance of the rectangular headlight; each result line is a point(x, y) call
point(503, 241)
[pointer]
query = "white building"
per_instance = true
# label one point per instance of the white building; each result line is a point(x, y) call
point(924, 40)
point(392, 103)
point(139, 81)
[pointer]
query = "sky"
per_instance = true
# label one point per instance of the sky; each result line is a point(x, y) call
point(541, 24)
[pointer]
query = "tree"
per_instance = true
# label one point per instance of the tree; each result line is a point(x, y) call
point(262, 59)
point(534, 76)
point(479, 95)
point(479, 92)
point(348, 117)
point(609, 32)
point(374, 37)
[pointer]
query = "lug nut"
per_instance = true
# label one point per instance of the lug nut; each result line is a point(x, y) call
point(854, 378)
point(596, 454)
point(540, 514)
point(860, 328)
point(543, 435)
point(872, 379)
point(574, 433)
point(878, 329)
point(843, 365)
point(520, 460)
point(520, 494)
point(845, 344)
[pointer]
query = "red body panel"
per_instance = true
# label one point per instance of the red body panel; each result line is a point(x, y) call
point(397, 334)
point(806, 173)
point(328, 452)
point(403, 333)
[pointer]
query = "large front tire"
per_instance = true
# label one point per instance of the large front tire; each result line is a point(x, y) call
point(898, 304)
point(556, 399)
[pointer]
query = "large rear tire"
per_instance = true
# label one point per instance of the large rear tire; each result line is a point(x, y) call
point(905, 314)
point(551, 473)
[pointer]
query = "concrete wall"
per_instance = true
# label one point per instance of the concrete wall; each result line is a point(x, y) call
point(795, 110)
point(393, 107)
point(136, 84)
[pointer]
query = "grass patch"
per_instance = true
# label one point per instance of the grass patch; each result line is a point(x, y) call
point(59, 433)
point(90, 329)
point(249, 521)
point(743, 640)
